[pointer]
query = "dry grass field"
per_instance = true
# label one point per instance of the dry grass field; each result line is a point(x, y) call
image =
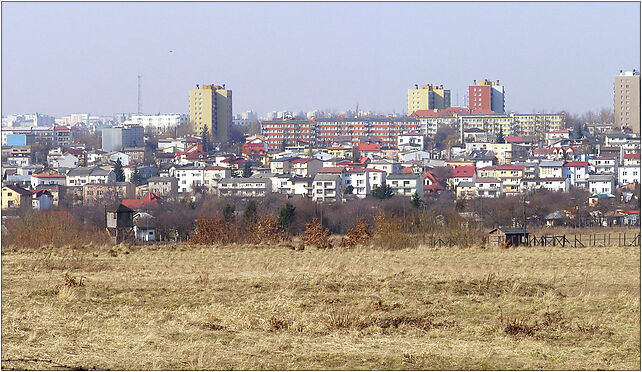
point(193, 307)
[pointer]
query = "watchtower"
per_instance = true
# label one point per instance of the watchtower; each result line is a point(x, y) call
point(119, 223)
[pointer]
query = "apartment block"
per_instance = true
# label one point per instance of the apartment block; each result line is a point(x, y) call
point(626, 100)
point(211, 106)
point(428, 97)
point(486, 96)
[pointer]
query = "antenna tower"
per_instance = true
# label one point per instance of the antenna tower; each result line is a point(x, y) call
point(140, 97)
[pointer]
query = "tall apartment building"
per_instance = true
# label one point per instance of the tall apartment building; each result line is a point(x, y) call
point(486, 95)
point(160, 122)
point(428, 97)
point(211, 106)
point(119, 137)
point(626, 100)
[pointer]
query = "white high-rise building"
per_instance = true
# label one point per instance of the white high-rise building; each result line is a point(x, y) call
point(160, 122)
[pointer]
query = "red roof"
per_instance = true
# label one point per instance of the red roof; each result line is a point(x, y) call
point(362, 170)
point(150, 200)
point(45, 175)
point(331, 169)
point(633, 212)
point(631, 156)
point(542, 151)
point(214, 167)
point(369, 147)
point(450, 111)
point(576, 164)
point(463, 171)
point(434, 187)
point(61, 128)
point(559, 131)
point(487, 179)
point(303, 160)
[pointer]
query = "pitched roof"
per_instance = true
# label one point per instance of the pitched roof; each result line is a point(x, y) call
point(150, 200)
point(331, 170)
point(463, 171)
point(18, 189)
point(631, 156)
point(369, 147)
point(576, 164)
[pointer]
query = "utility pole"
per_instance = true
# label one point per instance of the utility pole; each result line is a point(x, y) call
point(140, 97)
point(524, 212)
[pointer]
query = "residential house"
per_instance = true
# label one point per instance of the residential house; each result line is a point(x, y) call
point(48, 179)
point(41, 200)
point(327, 187)
point(577, 172)
point(489, 187)
point(163, 186)
point(244, 187)
point(369, 150)
point(149, 201)
point(601, 184)
point(603, 166)
point(466, 190)
point(510, 175)
point(555, 184)
point(551, 169)
point(282, 165)
point(388, 166)
point(628, 174)
point(631, 159)
point(14, 196)
point(93, 193)
point(305, 167)
point(82, 175)
point(406, 184)
point(461, 174)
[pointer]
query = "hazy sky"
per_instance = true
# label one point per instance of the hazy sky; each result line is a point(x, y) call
point(60, 58)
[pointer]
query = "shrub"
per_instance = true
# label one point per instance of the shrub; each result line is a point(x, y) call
point(212, 230)
point(35, 230)
point(389, 232)
point(317, 235)
point(358, 235)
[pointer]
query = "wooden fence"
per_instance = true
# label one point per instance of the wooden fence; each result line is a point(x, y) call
point(620, 239)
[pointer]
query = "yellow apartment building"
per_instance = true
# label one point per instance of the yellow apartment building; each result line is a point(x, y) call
point(211, 106)
point(428, 97)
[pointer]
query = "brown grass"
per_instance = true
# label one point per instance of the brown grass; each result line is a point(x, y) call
point(199, 307)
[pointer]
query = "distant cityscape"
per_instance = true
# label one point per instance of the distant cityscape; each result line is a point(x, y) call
point(325, 156)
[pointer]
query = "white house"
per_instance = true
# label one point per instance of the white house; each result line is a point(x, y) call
point(489, 187)
point(327, 187)
point(577, 172)
point(406, 184)
point(603, 165)
point(628, 174)
point(82, 175)
point(244, 187)
point(41, 200)
point(601, 184)
point(410, 141)
point(388, 166)
point(550, 169)
point(124, 158)
point(560, 184)
point(48, 179)
point(631, 159)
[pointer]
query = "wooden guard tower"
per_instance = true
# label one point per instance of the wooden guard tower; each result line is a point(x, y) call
point(120, 224)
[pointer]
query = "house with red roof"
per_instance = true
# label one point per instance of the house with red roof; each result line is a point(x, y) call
point(48, 178)
point(464, 173)
point(149, 201)
point(369, 150)
point(577, 173)
point(631, 159)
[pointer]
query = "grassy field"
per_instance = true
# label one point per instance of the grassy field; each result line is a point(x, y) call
point(182, 307)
